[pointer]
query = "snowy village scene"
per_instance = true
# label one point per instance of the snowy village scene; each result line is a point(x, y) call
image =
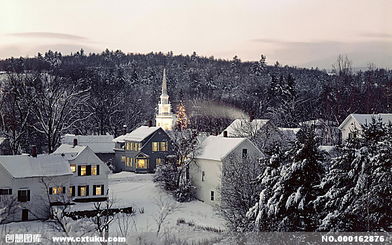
point(196, 122)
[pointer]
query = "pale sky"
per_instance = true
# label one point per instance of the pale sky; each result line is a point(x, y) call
point(294, 32)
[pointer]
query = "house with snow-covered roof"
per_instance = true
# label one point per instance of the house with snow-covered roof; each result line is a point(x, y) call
point(33, 183)
point(262, 132)
point(327, 131)
point(215, 152)
point(142, 149)
point(352, 126)
point(89, 180)
point(101, 145)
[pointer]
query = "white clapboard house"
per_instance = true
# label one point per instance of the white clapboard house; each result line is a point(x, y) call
point(29, 184)
point(352, 126)
point(89, 180)
point(216, 151)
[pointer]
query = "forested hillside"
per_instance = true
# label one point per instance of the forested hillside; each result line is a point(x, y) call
point(48, 95)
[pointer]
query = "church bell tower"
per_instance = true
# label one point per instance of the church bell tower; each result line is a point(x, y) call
point(165, 118)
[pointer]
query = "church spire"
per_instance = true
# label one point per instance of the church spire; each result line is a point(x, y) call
point(164, 83)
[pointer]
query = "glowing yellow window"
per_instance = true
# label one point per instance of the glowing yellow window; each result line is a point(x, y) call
point(155, 146)
point(141, 163)
point(139, 146)
point(82, 191)
point(57, 190)
point(83, 170)
point(163, 146)
point(98, 190)
point(158, 161)
point(94, 170)
point(129, 146)
point(123, 158)
point(129, 162)
point(73, 168)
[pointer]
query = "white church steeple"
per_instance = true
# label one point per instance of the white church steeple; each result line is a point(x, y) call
point(165, 118)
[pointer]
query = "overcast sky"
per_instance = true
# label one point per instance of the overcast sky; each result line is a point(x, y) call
point(294, 32)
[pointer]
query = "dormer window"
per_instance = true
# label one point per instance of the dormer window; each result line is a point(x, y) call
point(73, 168)
point(244, 153)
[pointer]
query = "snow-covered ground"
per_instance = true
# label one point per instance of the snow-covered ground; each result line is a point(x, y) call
point(192, 221)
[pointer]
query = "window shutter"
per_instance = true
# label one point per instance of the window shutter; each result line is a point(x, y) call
point(72, 191)
point(64, 188)
point(50, 190)
point(79, 190)
point(94, 190)
point(28, 195)
point(98, 169)
point(10, 192)
point(88, 170)
point(88, 188)
point(79, 170)
point(103, 189)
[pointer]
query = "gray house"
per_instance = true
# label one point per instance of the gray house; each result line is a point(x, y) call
point(142, 149)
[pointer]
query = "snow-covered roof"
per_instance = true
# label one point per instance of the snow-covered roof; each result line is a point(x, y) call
point(244, 127)
point(25, 166)
point(70, 152)
point(137, 135)
point(218, 147)
point(97, 143)
point(318, 122)
point(2, 139)
point(362, 119)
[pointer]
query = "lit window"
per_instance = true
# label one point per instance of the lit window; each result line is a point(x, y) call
point(123, 158)
point(83, 191)
point(83, 170)
point(128, 146)
point(71, 191)
point(95, 170)
point(73, 168)
point(56, 190)
point(155, 146)
point(98, 190)
point(128, 162)
point(141, 163)
point(163, 146)
point(139, 146)
point(158, 161)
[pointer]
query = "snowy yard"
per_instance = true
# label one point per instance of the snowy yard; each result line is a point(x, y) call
point(192, 221)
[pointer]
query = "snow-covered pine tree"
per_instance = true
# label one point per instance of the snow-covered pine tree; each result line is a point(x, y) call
point(285, 202)
point(358, 188)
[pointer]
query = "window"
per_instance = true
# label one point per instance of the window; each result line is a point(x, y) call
point(123, 159)
point(98, 190)
point(158, 161)
point(73, 168)
point(83, 191)
point(212, 195)
point(203, 175)
point(163, 146)
point(244, 153)
point(71, 191)
point(56, 190)
point(5, 192)
point(23, 195)
point(83, 170)
point(138, 146)
point(128, 146)
point(95, 170)
point(128, 162)
point(155, 146)
point(141, 163)
point(352, 135)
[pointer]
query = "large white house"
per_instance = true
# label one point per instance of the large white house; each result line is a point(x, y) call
point(262, 132)
point(216, 151)
point(352, 126)
point(89, 180)
point(30, 184)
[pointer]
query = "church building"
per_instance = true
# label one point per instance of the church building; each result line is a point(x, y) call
point(165, 118)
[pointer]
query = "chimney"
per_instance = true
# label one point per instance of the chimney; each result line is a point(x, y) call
point(125, 129)
point(75, 142)
point(225, 134)
point(34, 151)
point(149, 123)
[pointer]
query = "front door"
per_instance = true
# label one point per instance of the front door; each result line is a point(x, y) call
point(25, 214)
